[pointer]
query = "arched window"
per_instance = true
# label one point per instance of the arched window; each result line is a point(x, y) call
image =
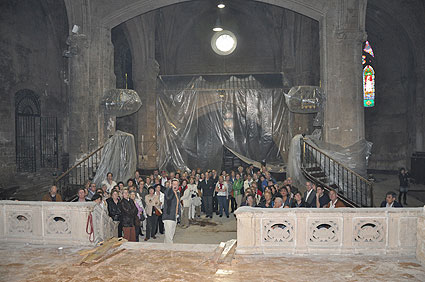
point(368, 76)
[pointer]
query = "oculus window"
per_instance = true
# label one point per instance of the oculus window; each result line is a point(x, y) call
point(224, 42)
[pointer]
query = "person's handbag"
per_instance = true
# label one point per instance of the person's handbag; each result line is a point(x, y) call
point(197, 201)
point(157, 211)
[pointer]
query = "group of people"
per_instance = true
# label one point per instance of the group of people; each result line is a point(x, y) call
point(158, 202)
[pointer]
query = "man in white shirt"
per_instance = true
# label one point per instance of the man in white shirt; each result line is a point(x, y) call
point(109, 182)
point(310, 195)
point(390, 201)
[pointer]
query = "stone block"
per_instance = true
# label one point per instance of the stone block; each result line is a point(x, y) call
point(47, 222)
point(365, 231)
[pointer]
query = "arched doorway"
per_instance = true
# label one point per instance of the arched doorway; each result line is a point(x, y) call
point(36, 136)
point(27, 111)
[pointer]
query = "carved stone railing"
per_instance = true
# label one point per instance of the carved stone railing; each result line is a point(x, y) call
point(53, 223)
point(362, 231)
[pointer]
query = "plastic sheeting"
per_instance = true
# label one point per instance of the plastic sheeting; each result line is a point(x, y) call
point(198, 116)
point(118, 157)
point(121, 102)
point(293, 168)
point(355, 157)
point(270, 167)
point(304, 99)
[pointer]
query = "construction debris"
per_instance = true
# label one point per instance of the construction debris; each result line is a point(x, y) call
point(102, 252)
point(224, 253)
point(228, 252)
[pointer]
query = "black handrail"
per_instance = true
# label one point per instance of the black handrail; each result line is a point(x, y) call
point(352, 188)
point(78, 175)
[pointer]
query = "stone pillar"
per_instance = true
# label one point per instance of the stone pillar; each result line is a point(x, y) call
point(146, 118)
point(343, 33)
point(91, 74)
point(102, 79)
point(145, 72)
point(78, 98)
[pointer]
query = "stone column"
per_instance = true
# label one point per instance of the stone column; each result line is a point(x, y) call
point(343, 33)
point(91, 74)
point(78, 98)
point(102, 79)
point(145, 72)
point(146, 117)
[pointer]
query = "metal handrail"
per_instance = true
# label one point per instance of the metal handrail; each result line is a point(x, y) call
point(79, 163)
point(67, 183)
point(359, 185)
point(347, 168)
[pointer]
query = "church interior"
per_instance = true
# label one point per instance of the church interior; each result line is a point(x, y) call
point(326, 91)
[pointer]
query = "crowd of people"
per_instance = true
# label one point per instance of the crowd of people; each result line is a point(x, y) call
point(144, 206)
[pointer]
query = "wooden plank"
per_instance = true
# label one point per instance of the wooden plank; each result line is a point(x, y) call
point(102, 250)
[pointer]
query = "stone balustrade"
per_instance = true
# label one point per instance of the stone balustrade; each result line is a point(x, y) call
point(53, 222)
point(345, 231)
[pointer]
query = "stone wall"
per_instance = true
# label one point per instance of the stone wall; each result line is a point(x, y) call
point(363, 231)
point(53, 223)
point(32, 39)
point(270, 39)
point(396, 124)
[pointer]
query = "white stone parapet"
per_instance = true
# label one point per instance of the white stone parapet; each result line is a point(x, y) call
point(342, 231)
point(52, 222)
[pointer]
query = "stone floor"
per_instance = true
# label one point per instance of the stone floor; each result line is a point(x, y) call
point(47, 263)
point(205, 231)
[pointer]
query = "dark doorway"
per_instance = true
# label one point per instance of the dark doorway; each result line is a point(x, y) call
point(36, 136)
point(27, 109)
point(49, 142)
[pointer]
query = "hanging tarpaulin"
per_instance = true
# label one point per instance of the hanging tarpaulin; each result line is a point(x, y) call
point(304, 99)
point(118, 157)
point(270, 167)
point(198, 116)
point(121, 102)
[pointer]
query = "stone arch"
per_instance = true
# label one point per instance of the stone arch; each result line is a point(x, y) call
point(313, 9)
point(341, 32)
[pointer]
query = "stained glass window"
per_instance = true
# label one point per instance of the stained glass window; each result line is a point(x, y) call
point(368, 49)
point(369, 86)
point(368, 76)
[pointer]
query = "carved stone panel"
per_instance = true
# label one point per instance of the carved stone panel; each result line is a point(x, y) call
point(324, 231)
point(278, 231)
point(369, 232)
point(57, 223)
point(19, 223)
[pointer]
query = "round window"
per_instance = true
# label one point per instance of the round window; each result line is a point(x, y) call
point(224, 42)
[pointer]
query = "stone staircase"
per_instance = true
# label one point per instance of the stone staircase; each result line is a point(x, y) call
point(320, 176)
point(29, 186)
point(317, 166)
